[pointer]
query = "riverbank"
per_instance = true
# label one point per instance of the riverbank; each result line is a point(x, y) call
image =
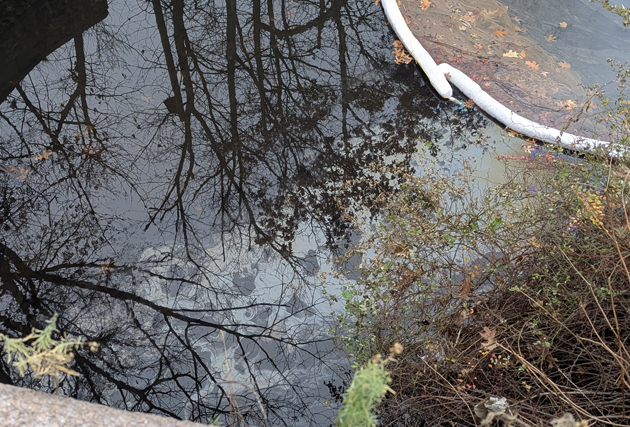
point(520, 293)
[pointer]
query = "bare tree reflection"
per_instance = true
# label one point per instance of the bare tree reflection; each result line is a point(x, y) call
point(159, 172)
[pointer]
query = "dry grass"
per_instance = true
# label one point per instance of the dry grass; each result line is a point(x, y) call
point(518, 294)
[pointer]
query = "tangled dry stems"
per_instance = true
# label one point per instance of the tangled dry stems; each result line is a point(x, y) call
point(521, 294)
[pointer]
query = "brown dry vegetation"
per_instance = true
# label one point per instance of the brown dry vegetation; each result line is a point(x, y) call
point(521, 292)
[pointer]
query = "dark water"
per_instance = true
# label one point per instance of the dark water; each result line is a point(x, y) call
point(173, 180)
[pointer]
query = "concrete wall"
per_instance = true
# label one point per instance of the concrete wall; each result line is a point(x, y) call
point(23, 407)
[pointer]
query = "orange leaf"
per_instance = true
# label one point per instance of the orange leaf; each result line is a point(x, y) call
point(563, 25)
point(564, 65)
point(532, 64)
point(44, 155)
point(500, 32)
point(425, 4)
point(400, 54)
point(511, 54)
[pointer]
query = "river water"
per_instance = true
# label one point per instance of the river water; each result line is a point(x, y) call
point(174, 180)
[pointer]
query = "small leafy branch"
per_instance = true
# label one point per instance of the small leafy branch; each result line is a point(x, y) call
point(622, 11)
point(42, 353)
point(368, 387)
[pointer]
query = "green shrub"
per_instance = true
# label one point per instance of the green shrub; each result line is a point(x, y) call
point(622, 11)
point(368, 387)
point(521, 291)
point(43, 354)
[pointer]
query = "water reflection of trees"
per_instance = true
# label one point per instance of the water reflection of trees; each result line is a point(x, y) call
point(152, 227)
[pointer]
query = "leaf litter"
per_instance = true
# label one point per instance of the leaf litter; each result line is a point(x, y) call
point(481, 38)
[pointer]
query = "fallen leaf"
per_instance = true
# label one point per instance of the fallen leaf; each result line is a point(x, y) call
point(474, 36)
point(401, 249)
point(500, 32)
point(492, 13)
point(570, 105)
point(511, 54)
point(465, 288)
point(478, 46)
point(469, 104)
point(532, 64)
point(44, 155)
point(489, 335)
point(425, 4)
point(469, 17)
point(551, 360)
point(564, 65)
point(563, 25)
point(400, 54)
point(551, 38)
point(517, 19)
point(544, 73)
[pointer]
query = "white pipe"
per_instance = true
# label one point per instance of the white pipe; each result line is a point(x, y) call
point(438, 75)
point(519, 123)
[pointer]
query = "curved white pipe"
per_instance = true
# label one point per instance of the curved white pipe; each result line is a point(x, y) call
point(519, 123)
point(438, 75)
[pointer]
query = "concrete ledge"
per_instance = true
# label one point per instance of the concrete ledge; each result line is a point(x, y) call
point(23, 407)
